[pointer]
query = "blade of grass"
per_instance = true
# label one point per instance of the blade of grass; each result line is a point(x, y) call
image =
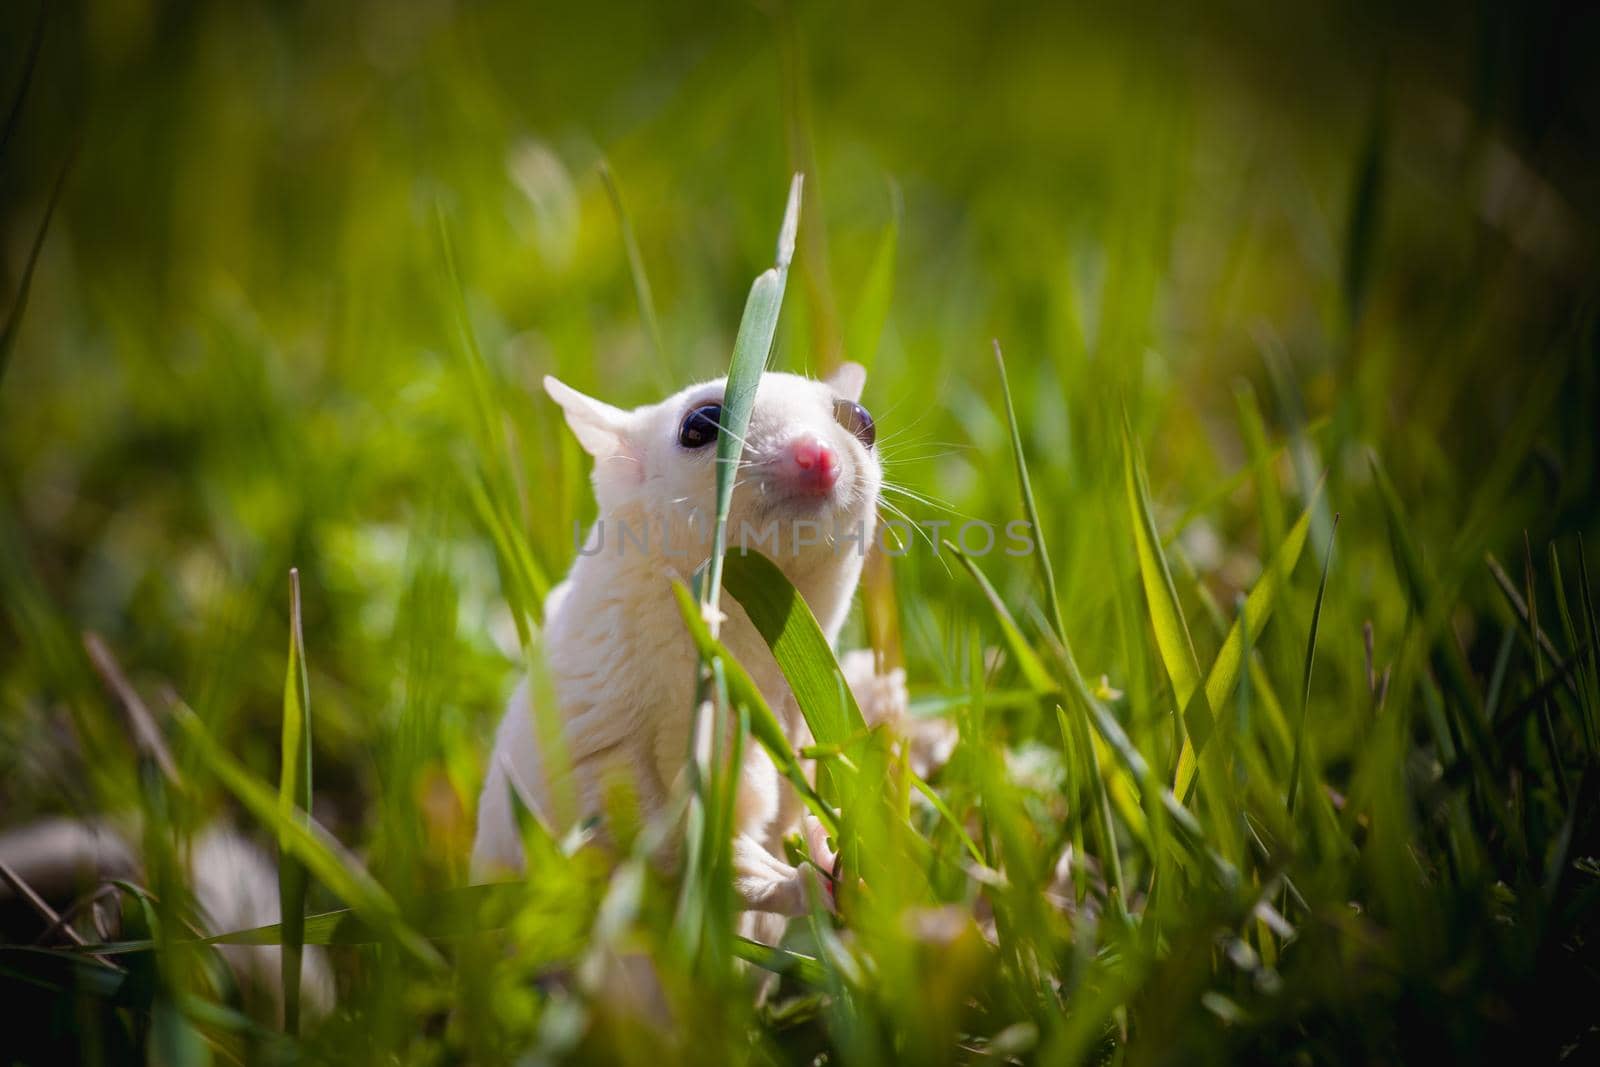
point(1258, 607)
point(1260, 467)
point(707, 848)
point(449, 914)
point(294, 802)
point(784, 620)
point(146, 735)
point(1552, 743)
point(1462, 708)
point(324, 857)
point(25, 80)
point(1366, 208)
point(1155, 794)
point(1508, 723)
point(1590, 628)
point(43, 910)
point(1078, 728)
point(1584, 710)
point(1075, 735)
point(1030, 508)
point(1039, 677)
point(1173, 640)
point(1497, 674)
point(493, 490)
point(764, 724)
point(1519, 607)
point(521, 596)
point(1467, 710)
point(949, 817)
point(13, 326)
point(751, 350)
point(1027, 660)
point(1305, 683)
point(1263, 462)
point(781, 961)
point(879, 602)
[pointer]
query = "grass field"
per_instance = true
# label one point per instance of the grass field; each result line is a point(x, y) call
point(1284, 747)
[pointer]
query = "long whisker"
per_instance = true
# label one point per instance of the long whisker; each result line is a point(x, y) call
point(895, 444)
point(917, 529)
point(901, 433)
point(925, 501)
point(743, 443)
point(921, 457)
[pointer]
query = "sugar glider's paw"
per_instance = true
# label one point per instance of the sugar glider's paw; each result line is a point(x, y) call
point(931, 743)
point(816, 837)
point(827, 860)
point(884, 701)
point(882, 697)
point(763, 882)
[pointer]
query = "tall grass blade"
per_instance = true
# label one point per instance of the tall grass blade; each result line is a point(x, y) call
point(1258, 606)
point(742, 690)
point(1591, 628)
point(304, 838)
point(1464, 709)
point(933, 798)
point(1552, 743)
point(147, 736)
point(879, 602)
point(25, 81)
point(1027, 660)
point(1263, 462)
point(1166, 614)
point(863, 335)
point(1585, 709)
point(1173, 640)
point(1305, 678)
point(493, 494)
point(1519, 606)
point(1366, 205)
point(1040, 680)
point(446, 915)
point(1074, 733)
point(1041, 554)
point(1155, 794)
point(522, 586)
point(13, 326)
point(751, 350)
point(1424, 599)
point(294, 804)
point(784, 620)
point(708, 851)
point(1075, 738)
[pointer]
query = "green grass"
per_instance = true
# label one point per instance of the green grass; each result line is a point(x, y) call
point(1281, 749)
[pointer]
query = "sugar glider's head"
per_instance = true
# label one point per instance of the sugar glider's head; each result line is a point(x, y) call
point(807, 483)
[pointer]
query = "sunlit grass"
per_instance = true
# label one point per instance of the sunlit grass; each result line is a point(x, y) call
point(1280, 748)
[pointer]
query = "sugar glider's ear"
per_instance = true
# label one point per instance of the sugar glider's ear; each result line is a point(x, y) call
point(600, 428)
point(848, 380)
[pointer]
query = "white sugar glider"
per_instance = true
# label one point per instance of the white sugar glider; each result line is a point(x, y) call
point(621, 663)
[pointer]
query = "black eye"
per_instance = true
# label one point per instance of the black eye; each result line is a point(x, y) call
point(854, 417)
point(700, 426)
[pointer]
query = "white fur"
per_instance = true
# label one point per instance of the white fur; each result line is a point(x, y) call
point(622, 666)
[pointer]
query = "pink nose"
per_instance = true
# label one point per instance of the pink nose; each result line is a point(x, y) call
point(811, 464)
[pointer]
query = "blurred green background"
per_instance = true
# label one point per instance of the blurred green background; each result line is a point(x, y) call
point(1285, 238)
